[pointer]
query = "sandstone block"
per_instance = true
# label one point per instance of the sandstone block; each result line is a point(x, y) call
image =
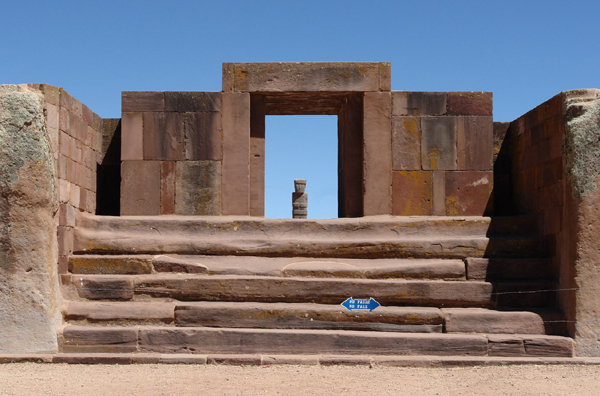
point(164, 136)
point(123, 265)
point(406, 143)
point(167, 187)
point(235, 185)
point(469, 103)
point(419, 103)
point(132, 137)
point(154, 312)
point(142, 101)
point(468, 193)
point(439, 193)
point(505, 345)
point(140, 187)
point(475, 143)
point(98, 339)
point(377, 153)
point(104, 287)
point(29, 288)
point(192, 101)
point(203, 136)
point(306, 76)
point(198, 188)
point(502, 268)
point(412, 193)
point(479, 320)
point(438, 143)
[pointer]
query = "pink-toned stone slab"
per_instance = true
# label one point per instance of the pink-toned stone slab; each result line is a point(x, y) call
point(469, 103)
point(142, 101)
point(306, 76)
point(468, 193)
point(118, 312)
point(140, 187)
point(475, 143)
point(478, 320)
point(406, 143)
point(99, 339)
point(132, 137)
point(412, 193)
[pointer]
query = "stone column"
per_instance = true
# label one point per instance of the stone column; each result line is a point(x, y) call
point(299, 200)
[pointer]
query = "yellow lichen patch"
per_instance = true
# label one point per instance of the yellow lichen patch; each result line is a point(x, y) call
point(452, 206)
point(433, 154)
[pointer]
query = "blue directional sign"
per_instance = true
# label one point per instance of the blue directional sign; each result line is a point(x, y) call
point(352, 304)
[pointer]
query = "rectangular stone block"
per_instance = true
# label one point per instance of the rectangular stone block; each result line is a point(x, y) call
point(132, 137)
point(306, 76)
point(167, 187)
point(98, 339)
point(412, 193)
point(198, 188)
point(419, 103)
point(469, 103)
point(65, 240)
point(203, 136)
point(439, 193)
point(164, 137)
point(140, 187)
point(193, 101)
point(105, 287)
point(468, 193)
point(438, 143)
point(142, 101)
point(475, 143)
point(406, 143)
point(235, 182)
point(377, 133)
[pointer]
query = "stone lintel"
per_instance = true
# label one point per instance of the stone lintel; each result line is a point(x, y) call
point(307, 76)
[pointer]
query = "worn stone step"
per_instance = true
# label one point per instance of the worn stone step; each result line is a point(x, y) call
point(190, 287)
point(491, 269)
point(269, 266)
point(366, 237)
point(310, 316)
point(255, 315)
point(525, 294)
point(202, 340)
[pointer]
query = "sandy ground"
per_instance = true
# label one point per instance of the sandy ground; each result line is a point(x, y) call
point(82, 380)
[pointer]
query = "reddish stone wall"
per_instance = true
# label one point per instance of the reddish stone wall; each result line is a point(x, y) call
point(442, 153)
point(171, 152)
point(76, 139)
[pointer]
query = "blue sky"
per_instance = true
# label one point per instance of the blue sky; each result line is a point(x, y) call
point(523, 51)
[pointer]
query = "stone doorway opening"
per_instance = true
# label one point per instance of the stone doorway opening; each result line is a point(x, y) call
point(301, 147)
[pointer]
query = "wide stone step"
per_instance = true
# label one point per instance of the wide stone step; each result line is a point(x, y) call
point(309, 316)
point(269, 266)
point(367, 237)
point(192, 287)
point(201, 340)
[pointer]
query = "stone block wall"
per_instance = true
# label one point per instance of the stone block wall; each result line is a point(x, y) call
point(555, 173)
point(76, 138)
point(442, 153)
point(171, 153)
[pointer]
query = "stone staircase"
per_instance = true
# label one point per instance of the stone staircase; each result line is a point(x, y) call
point(448, 286)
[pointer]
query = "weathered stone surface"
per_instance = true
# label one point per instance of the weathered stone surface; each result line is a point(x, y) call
point(419, 103)
point(203, 136)
point(123, 265)
point(167, 187)
point(164, 136)
point(188, 287)
point(118, 312)
point(548, 346)
point(505, 345)
point(468, 193)
point(478, 320)
point(307, 316)
point(198, 188)
point(132, 136)
point(438, 143)
point(206, 340)
point(29, 294)
point(412, 193)
point(469, 103)
point(192, 101)
point(406, 143)
point(499, 268)
point(169, 264)
point(140, 187)
point(306, 76)
point(99, 287)
point(475, 143)
point(235, 185)
point(142, 101)
point(98, 339)
point(377, 156)
point(366, 237)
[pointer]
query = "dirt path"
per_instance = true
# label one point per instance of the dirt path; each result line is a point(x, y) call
point(57, 379)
